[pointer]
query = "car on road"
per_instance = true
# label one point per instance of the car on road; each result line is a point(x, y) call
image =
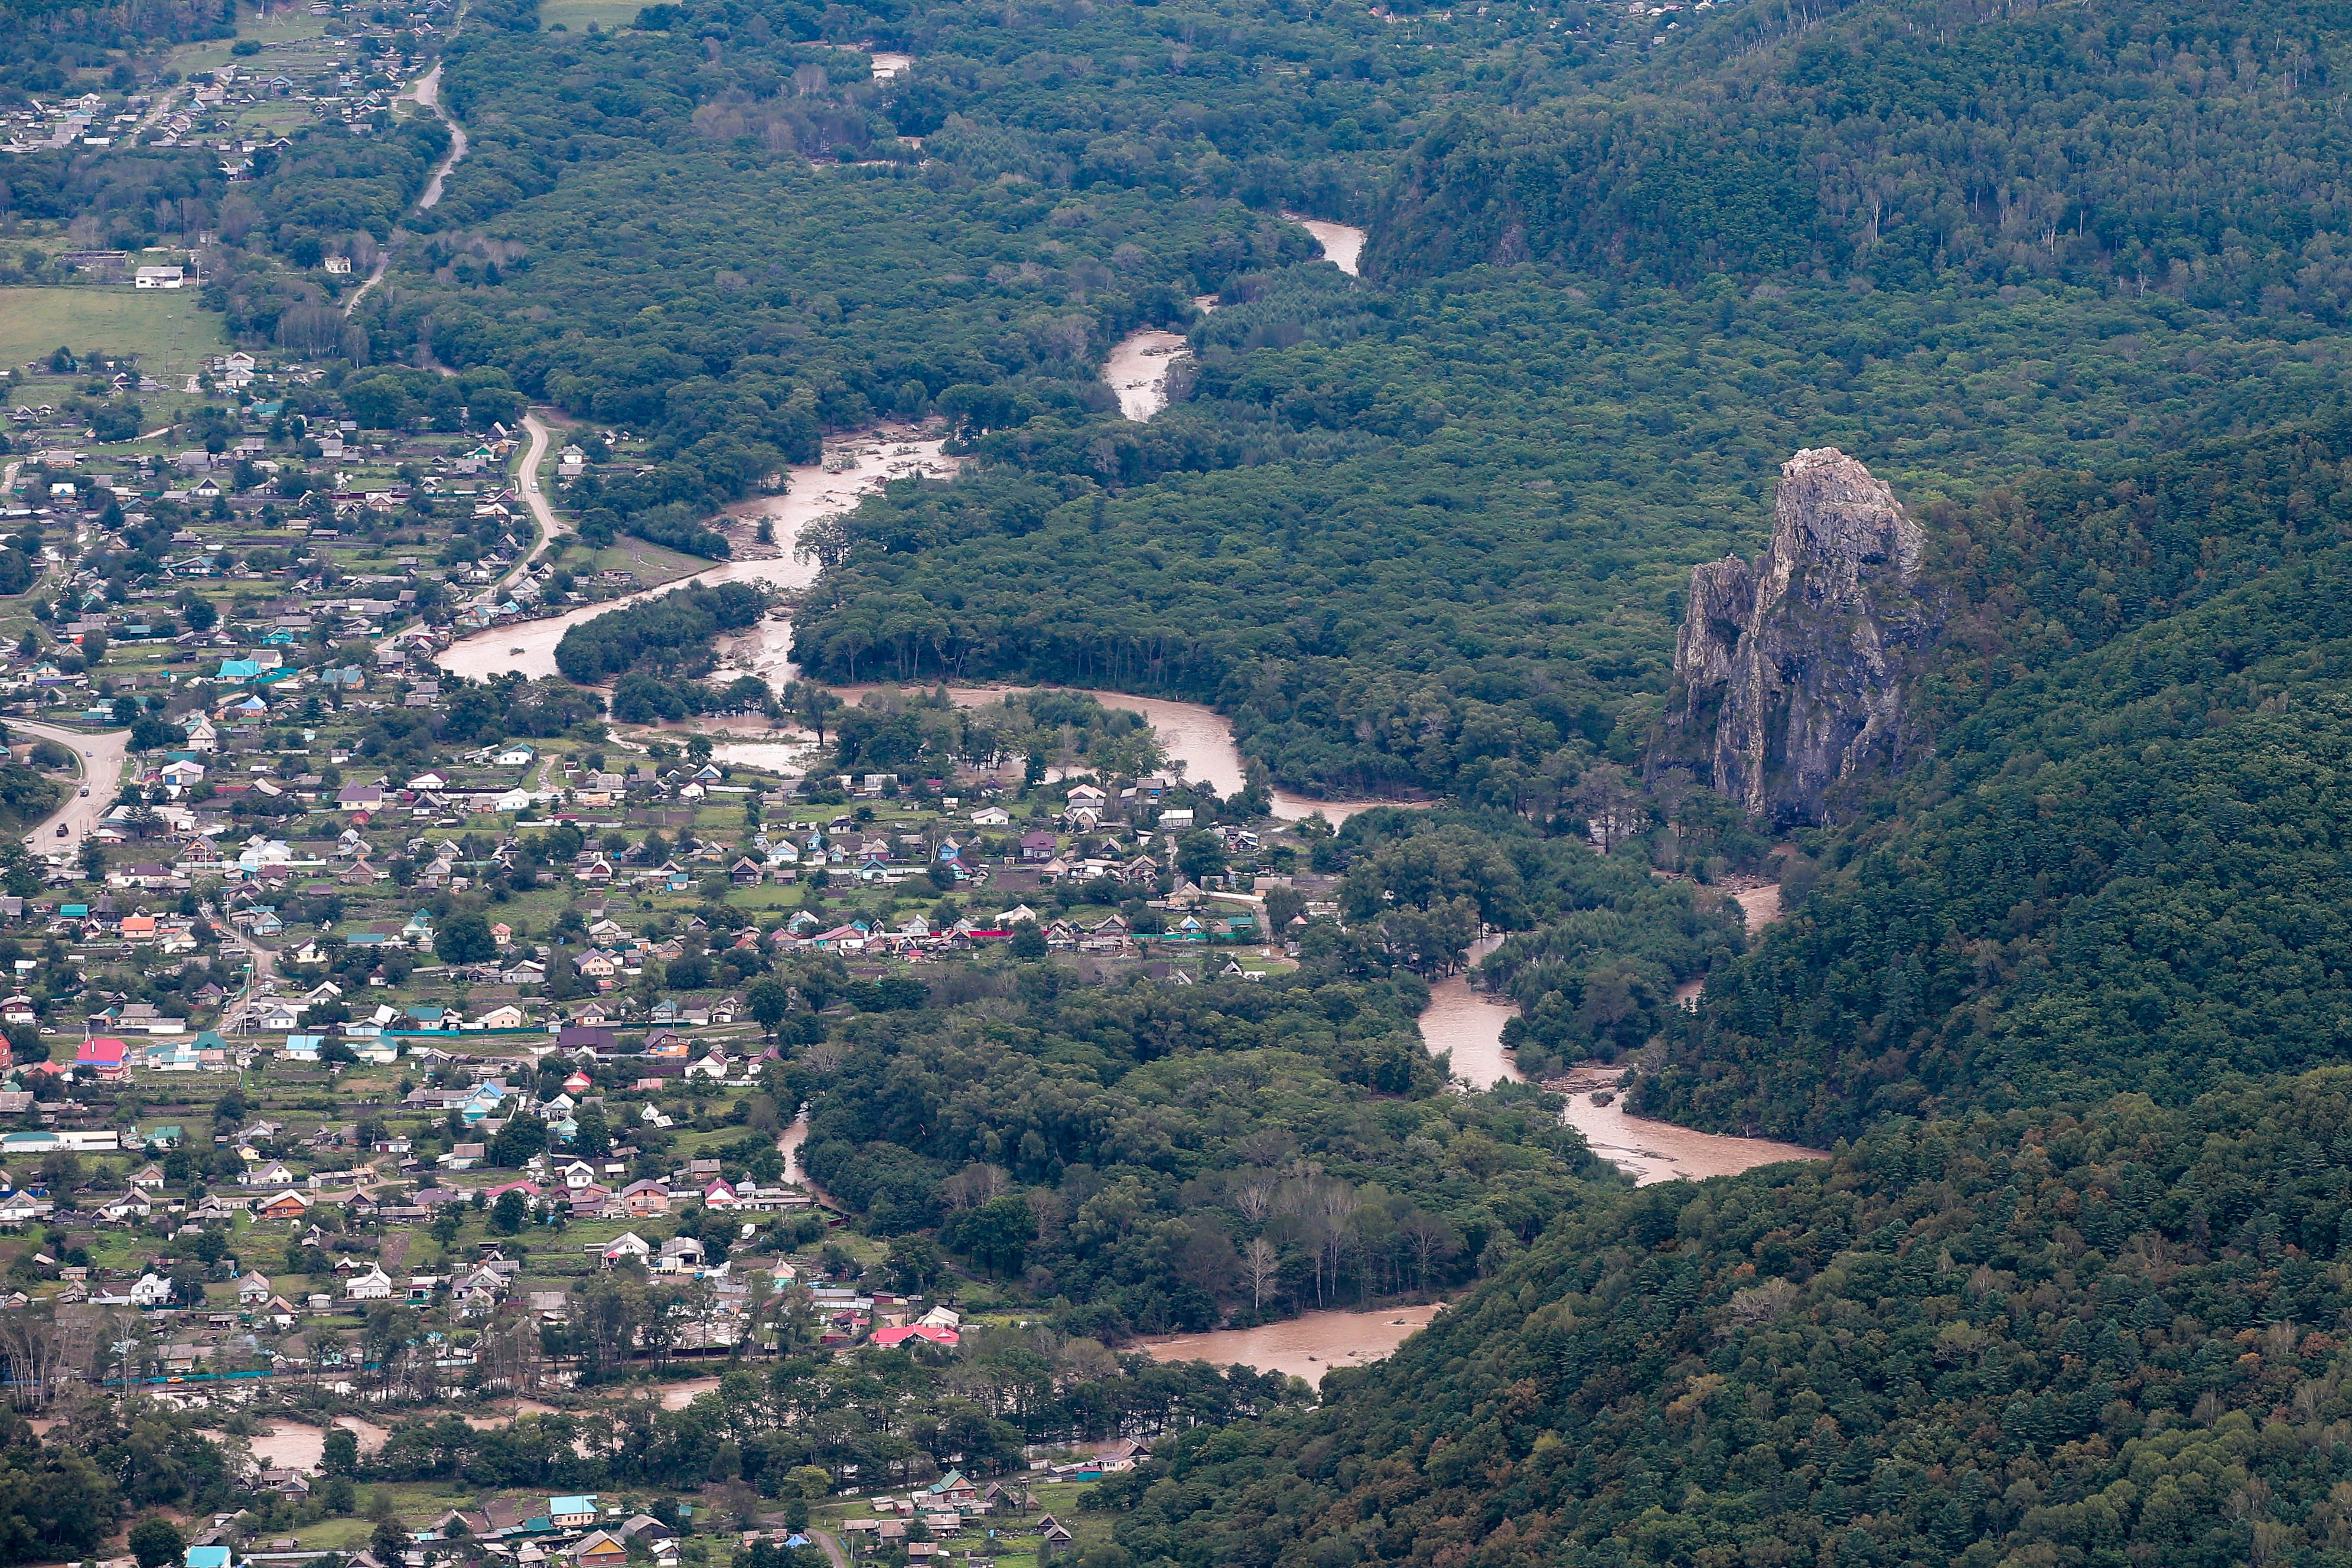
point(84, 789)
point(61, 829)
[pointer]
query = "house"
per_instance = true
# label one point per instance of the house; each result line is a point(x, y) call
point(375, 1285)
point(576, 1512)
point(599, 1549)
point(1038, 847)
point(254, 1291)
point(128, 1209)
point(284, 1206)
point(646, 1528)
point(643, 1199)
point(893, 1336)
point(105, 1056)
point(628, 1244)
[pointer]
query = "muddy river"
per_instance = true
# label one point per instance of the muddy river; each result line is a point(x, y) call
point(1468, 1023)
point(1343, 247)
point(1137, 370)
point(1198, 737)
point(863, 467)
point(1307, 1346)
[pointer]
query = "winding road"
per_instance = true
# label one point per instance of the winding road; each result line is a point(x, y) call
point(542, 516)
point(101, 758)
point(428, 95)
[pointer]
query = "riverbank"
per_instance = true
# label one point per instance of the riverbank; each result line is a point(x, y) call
point(813, 491)
point(1304, 1346)
point(1651, 1152)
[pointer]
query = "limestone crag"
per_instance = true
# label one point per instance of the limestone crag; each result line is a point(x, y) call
point(1789, 672)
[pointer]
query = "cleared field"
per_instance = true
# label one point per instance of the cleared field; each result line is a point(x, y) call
point(654, 565)
point(281, 25)
point(577, 15)
point(114, 319)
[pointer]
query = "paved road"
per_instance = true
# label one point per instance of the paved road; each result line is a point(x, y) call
point(101, 758)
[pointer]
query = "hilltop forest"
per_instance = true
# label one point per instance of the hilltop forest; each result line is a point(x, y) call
point(2064, 1002)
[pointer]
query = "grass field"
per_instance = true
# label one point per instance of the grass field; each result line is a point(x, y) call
point(577, 15)
point(654, 565)
point(289, 24)
point(115, 319)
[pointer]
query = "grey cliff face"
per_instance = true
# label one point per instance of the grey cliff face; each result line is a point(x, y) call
point(1789, 672)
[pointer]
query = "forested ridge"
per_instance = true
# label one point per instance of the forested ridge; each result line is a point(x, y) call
point(2024, 1338)
point(2188, 146)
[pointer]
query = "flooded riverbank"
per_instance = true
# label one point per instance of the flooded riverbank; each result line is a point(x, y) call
point(1136, 370)
point(1343, 247)
point(860, 467)
point(1196, 735)
point(1200, 738)
point(1658, 1151)
point(1468, 1022)
point(1307, 1346)
point(290, 1446)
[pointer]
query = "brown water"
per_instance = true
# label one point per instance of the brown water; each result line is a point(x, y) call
point(509, 1411)
point(1307, 1346)
point(679, 1396)
point(287, 1445)
point(788, 1144)
point(1343, 247)
point(1137, 370)
point(1759, 907)
point(1198, 737)
point(1469, 1023)
point(875, 457)
point(1658, 1151)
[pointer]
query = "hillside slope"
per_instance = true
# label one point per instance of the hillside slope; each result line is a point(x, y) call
point(2022, 1339)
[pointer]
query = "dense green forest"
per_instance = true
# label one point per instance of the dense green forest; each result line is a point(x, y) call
point(1161, 1158)
point(2020, 1338)
point(1905, 146)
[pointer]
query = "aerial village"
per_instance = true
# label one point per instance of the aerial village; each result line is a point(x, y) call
point(383, 1042)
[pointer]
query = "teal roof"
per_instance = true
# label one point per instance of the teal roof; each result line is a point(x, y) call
point(207, 1557)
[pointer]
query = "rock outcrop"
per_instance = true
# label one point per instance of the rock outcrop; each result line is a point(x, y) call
point(1790, 672)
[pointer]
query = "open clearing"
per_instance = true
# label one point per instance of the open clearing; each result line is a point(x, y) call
point(115, 319)
point(577, 15)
